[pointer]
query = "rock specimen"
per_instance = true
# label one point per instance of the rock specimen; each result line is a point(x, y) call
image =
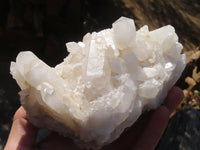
point(104, 84)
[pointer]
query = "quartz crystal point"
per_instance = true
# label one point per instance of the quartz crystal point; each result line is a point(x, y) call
point(104, 84)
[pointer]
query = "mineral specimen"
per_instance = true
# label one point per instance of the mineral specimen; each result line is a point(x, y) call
point(104, 84)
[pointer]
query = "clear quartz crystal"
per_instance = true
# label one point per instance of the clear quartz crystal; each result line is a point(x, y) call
point(104, 84)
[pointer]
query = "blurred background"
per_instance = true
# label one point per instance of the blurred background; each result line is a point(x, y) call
point(44, 26)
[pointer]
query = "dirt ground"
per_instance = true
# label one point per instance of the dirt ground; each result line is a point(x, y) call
point(45, 26)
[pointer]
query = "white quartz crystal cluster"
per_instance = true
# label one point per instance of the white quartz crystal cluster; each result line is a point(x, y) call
point(104, 84)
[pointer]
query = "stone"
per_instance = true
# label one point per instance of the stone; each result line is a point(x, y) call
point(103, 85)
point(182, 132)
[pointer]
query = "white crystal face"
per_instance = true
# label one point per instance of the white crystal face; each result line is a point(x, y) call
point(104, 84)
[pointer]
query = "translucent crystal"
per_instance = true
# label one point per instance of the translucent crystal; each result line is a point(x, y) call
point(104, 84)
